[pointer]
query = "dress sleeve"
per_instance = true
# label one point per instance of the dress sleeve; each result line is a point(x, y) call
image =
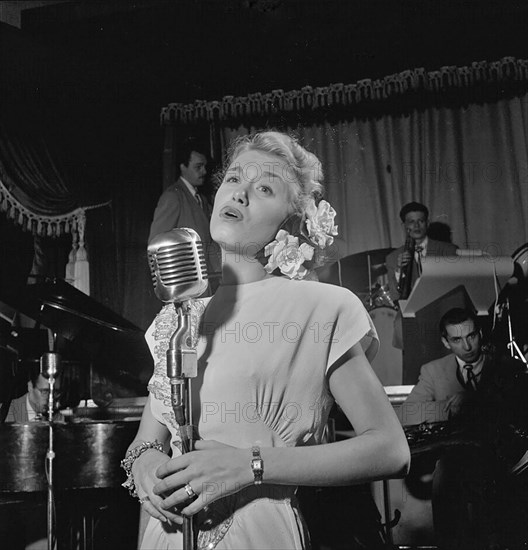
point(353, 325)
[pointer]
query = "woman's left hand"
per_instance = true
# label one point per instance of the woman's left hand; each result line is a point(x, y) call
point(212, 471)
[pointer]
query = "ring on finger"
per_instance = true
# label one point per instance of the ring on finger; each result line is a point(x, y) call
point(190, 491)
point(144, 499)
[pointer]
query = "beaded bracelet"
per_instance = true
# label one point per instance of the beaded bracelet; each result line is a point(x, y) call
point(130, 457)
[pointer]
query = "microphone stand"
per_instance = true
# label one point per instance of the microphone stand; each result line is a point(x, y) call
point(515, 352)
point(182, 365)
point(49, 368)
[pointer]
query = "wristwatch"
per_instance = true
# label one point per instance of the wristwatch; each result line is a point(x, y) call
point(257, 465)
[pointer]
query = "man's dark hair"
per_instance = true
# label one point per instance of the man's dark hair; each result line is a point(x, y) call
point(456, 316)
point(413, 207)
point(185, 149)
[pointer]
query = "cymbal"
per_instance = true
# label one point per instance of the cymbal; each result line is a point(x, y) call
point(336, 251)
point(352, 271)
point(520, 257)
point(378, 270)
point(377, 256)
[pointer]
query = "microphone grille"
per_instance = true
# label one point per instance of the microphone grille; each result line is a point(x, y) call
point(177, 265)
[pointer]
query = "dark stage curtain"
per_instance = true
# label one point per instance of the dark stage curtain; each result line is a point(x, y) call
point(469, 165)
point(39, 211)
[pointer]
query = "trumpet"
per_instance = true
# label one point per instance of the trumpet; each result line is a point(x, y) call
point(405, 282)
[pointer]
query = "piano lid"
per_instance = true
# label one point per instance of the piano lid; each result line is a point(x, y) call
point(52, 301)
point(114, 344)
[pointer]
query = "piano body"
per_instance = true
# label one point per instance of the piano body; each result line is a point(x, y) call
point(107, 359)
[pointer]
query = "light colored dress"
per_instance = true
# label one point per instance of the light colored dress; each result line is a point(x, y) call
point(264, 349)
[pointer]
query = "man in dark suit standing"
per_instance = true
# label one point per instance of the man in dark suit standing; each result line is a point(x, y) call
point(182, 204)
point(415, 220)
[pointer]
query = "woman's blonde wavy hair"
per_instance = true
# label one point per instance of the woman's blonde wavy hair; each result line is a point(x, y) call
point(301, 164)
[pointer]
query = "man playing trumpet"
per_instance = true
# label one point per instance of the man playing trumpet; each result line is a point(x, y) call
point(404, 263)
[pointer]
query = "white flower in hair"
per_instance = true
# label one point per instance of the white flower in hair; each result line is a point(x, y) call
point(320, 223)
point(286, 254)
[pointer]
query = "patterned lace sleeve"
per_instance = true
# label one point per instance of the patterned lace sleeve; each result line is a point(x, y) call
point(158, 337)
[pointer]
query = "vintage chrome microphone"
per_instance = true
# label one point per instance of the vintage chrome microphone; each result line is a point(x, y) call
point(177, 265)
point(179, 273)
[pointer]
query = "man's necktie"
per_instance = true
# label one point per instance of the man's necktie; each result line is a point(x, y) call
point(471, 379)
point(199, 200)
point(418, 256)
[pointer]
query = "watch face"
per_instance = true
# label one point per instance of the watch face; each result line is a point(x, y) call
point(257, 464)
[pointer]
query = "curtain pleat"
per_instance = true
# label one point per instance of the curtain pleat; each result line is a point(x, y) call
point(28, 170)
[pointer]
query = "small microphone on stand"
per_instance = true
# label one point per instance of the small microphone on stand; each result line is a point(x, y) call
point(50, 364)
point(49, 368)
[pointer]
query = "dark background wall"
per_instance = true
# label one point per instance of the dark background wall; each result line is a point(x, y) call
point(99, 72)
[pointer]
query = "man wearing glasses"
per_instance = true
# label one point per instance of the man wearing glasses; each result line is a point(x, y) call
point(33, 405)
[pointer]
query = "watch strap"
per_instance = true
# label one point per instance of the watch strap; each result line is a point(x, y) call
point(257, 465)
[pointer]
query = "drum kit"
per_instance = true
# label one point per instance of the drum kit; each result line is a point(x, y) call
point(365, 274)
point(410, 498)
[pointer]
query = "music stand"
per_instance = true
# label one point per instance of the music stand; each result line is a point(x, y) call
point(440, 274)
point(466, 281)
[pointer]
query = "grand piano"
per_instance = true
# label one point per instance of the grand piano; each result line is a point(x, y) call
point(98, 348)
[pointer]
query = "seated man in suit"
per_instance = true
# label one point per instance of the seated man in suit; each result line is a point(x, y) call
point(415, 220)
point(33, 405)
point(446, 384)
point(24, 525)
point(447, 388)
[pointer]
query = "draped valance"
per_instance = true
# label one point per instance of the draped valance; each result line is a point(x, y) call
point(507, 69)
point(44, 225)
point(35, 196)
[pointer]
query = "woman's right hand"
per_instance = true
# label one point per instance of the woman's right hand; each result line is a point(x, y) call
point(144, 472)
